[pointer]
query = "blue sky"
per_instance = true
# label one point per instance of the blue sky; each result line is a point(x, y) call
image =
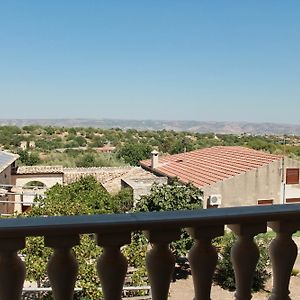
point(184, 60)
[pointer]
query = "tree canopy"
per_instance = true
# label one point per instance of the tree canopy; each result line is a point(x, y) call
point(85, 196)
point(133, 153)
point(173, 196)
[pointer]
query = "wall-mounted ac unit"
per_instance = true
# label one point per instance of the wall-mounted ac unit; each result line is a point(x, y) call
point(215, 199)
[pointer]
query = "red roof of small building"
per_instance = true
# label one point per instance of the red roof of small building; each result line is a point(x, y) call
point(210, 165)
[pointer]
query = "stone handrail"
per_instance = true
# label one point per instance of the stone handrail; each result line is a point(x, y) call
point(161, 228)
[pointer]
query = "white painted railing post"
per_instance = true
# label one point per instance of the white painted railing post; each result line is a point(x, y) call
point(12, 269)
point(160, 261)
point(244, 256)
point(203, 259)
point(112, 264)
point(62, 266)
point(283, 253)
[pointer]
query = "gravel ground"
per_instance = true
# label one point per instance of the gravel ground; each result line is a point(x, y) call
point(183, 289)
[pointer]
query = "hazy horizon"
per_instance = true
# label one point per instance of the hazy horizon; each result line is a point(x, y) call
point(142, 120)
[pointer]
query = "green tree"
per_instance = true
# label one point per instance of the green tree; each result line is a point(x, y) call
point(133, 153)
point(174, 196)
point(85, 196)
point(80, 140)
point(224, 275)
point(87, 160)
point(98, 141)
point(49, 130)
point(28, 158)
point(122, 201)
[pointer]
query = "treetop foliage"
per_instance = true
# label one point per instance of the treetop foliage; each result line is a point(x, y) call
point(29, 158)
point(224, 275)
point(174, 196)
point(86, 196)
point(133, 153)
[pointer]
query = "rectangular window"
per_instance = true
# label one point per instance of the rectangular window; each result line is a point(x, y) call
point(265, 202)
point(292, 176)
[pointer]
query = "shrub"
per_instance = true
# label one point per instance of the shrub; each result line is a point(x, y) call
point(224, 275)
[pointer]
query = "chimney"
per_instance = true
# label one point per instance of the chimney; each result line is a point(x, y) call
point(154, 159)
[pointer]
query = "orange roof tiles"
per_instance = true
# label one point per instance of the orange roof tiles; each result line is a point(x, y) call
point(210, 165)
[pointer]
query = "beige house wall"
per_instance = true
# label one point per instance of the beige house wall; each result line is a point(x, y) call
point(291, 190)
point(264, 183)
point(20, 181)
point(5, 176)
point(48, 179)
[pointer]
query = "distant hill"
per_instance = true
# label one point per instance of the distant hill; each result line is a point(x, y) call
point(194, 126)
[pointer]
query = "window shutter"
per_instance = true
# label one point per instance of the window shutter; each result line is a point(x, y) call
point(265, 202)
point(292, 176)
point(292, 200)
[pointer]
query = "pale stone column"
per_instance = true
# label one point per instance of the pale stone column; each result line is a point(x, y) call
point(244, 256)
point(62, 267)
point(203, 259)
point(283, 253)
point(160, 261)
point(112, 264)
point(12, 269)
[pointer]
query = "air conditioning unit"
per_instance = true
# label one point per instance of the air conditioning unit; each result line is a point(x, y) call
point(215, 199)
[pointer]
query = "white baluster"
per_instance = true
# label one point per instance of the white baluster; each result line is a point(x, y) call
point(203, 259)
point(112, 264)
point(283, 253)
point(244, 256)
point(160, 262)
point(62, 266)
point(12, 269)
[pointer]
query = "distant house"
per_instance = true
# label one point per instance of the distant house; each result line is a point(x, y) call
point(32, 144)
point(232, 176)
point(23, 145)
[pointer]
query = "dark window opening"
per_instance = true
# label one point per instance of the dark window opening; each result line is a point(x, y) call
point(265, 202)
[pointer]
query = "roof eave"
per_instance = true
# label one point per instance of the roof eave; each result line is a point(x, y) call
point(12, 160)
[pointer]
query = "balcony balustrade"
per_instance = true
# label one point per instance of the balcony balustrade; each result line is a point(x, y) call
point(161, 228)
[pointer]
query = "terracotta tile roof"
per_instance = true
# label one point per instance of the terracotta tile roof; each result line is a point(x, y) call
point(210, 165)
